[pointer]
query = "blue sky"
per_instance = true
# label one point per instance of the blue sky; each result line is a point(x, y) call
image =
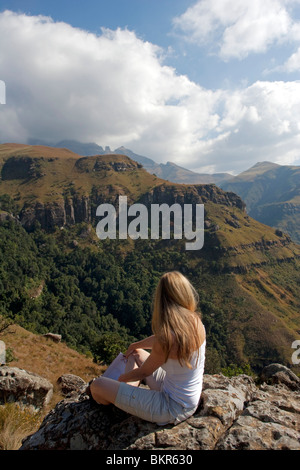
point(152, 20)
point(212, 85)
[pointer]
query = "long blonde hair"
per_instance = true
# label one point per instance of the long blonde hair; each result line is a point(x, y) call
point(175, 317)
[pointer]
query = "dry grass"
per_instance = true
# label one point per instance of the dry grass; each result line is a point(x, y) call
point(42, 356)
point(15, 424)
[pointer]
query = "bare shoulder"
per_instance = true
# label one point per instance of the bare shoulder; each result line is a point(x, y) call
point(157, 347)
point(200, 327)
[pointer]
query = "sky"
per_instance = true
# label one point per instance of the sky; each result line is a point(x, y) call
point(211, 85)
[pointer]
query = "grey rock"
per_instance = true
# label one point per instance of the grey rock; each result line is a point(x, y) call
point(233, 414)
point(225, 398)
point(69, 383)
point(249, 433)
point(54, 337)
point(25, 388)
point(279, 374)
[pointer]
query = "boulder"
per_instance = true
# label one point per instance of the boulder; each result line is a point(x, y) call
point(234, 413)
point(25, 388)
point(54, 337)
point(70, 384)
point(277, 373)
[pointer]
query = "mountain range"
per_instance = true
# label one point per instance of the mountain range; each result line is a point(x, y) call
point(247, 273)
point(270, 191)
point(272, 195)
point(168, 171)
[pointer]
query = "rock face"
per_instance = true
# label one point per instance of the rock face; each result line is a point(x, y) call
point(98, 163)
point(73, 209)
point(234, 414)
point(59, 213)
point(25, 388)
point(191, 194)
point(277, 373)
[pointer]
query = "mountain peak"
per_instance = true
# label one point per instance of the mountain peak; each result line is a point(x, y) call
point(256, 170)
point(265, 164)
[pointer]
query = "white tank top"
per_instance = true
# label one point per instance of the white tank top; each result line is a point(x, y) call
point(182, 384)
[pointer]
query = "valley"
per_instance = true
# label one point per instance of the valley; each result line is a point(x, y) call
point(98, 293)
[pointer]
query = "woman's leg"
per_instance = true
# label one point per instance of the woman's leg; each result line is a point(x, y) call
point(130, 365)
point(105, 390)
point(153, 381)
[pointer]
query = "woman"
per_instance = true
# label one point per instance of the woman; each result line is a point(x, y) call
point(174, 368)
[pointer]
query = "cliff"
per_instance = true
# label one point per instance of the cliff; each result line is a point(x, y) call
point(58, 187)
point(234, 414)
point(78, 208)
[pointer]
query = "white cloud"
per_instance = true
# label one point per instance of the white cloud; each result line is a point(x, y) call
point(262, 122)
point(114, 89)
point(237, 28)
point(293, 63)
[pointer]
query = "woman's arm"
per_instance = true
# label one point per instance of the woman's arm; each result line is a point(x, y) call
point(146, 343)
point(153, 362)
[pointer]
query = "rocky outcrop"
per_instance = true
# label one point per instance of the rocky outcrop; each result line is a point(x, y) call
point(69, 384)
point(54, 337)
point(103, 163)
point(234, 414)
point(67, 211)
point(22, 167)
point(279, 374)
point(76, 208)
point(25, 388)
point(7, 216)
point(191, 194)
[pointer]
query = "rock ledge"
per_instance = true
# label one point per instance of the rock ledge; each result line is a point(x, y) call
point(234, 414)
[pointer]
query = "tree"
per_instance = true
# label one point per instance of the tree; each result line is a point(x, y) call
point(108, 346)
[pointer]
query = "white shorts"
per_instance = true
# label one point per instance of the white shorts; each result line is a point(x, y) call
point(155, 406)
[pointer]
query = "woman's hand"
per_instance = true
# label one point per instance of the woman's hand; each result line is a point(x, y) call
point(122, 378)
point(146, 343)
point(131, 349)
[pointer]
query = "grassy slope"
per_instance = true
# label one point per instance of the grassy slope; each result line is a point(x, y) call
point(276, 293)
point(272, 195)
point(241, 245)
point(60, 175)
point(42, 356)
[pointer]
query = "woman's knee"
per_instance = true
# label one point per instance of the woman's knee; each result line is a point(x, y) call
point(99, 391)
point(140, 356)
point(95, 388)
point(138, 352)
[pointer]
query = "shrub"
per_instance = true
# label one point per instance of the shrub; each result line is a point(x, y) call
point(233, 370)
point(108, 347)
